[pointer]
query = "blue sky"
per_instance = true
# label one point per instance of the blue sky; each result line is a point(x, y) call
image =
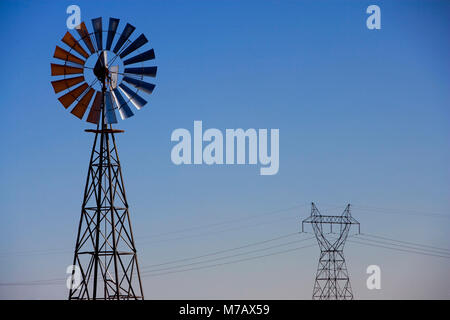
point(363, 118)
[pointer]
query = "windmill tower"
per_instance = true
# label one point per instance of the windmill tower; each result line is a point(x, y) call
point(332, 278)
point(105, 252)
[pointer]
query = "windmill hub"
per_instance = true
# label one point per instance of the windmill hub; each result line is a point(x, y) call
point(101, 67)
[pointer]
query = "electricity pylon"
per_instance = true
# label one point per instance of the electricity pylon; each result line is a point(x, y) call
point(332, 279)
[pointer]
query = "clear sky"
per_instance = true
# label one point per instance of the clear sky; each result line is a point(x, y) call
point(363, 118)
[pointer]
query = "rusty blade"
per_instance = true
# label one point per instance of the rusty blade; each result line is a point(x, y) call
point(84, 34)
point(64, 55)
point(67, 99)
point(60, 85)
point(60, 70)
point(94, 114)
point(82, 105)
point(73, 44)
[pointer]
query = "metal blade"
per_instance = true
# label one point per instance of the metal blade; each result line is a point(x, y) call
point(97, 25)
point(73, 44)
point(67, 99)
point(124, 109)
point(110, 112)
point(136, 44)
point(142, 85)
point(84, 34)
point(114, 72)
point(113, 24)
point(94, 114)
point(64, 55)
point(63, 84)
point(60, 69)
point(147, 55)
point(124, 37)
point(82, 105)
point(135, 99)
point(145, 71)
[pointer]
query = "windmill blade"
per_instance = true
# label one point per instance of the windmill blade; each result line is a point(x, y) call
point(60, 85)
point(144, 71)
point(142, 85)
point(84, 34)
point(110, 112)
point(135, 99)
point(114, 72)
point(97, 25)
point(113, 24)
point(136, 44)
point(67, 99)
point(145, 56)
point(94, 114)
point(124, 109)
point(73, 44)
point(124, 37)
point(82, 105)
point(64, 55)
point(61, 70)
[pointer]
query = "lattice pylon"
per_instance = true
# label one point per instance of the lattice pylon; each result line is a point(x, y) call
point(105, 251)
point(332, 279)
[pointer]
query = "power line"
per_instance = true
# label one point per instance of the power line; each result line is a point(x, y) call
point(360, 207)
point(398, 249)
point(222, 251)
point(230, 262)
point(226, 221)
point(395, 211)
point(390, 243)
point(221, 231)
point(151, 273)
point(32, 252)
point(406, 242)
point(60, 251)
point(229, 256)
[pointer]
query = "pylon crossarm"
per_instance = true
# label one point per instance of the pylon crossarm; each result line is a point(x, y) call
point(330, 220)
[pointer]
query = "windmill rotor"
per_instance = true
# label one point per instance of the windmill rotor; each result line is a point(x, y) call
point(91, 73)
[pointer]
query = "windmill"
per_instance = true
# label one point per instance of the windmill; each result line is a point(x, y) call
point(96, 80)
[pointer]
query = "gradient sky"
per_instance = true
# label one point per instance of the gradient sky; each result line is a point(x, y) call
point(363, 118)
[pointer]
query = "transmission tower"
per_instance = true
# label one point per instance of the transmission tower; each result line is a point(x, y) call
point(332, 280)
point(105, 254)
